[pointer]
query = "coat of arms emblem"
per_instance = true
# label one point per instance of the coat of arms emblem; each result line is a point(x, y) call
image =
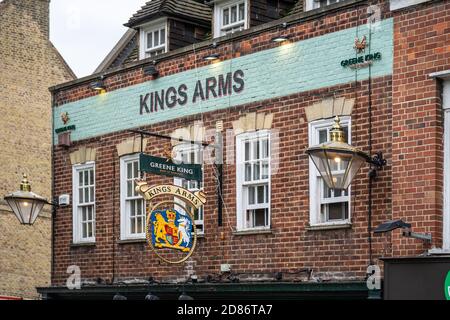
point(170, 229)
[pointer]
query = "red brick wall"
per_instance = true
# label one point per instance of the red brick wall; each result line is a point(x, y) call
point(422, 46)
point(331, 254)
point(406, 127)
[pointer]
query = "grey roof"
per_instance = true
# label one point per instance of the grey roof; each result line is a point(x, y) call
point(298, 8)
point(123, 48)
point(188, 9)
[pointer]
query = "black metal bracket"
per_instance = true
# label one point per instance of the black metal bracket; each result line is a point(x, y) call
point(53, 204)
point(377, 162)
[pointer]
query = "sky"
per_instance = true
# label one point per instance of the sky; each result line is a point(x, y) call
point(85, 31)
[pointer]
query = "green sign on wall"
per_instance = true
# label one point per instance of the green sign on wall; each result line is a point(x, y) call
point(166, 167)
point(447, 286)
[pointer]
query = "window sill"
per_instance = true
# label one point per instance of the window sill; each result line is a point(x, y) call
point(252, 232)
point(324, 227)
point(82, 244)
point(131, 241)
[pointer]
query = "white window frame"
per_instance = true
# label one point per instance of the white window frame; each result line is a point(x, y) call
point(241, 185)
point(125, 232)
point(76, 218)
point(316, 190)
point(198, 159)
point(312, 4)
point(446, 211)
point(145, 29)
point(219, 28)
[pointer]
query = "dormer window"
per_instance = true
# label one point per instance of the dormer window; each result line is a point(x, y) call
point(153, 39)
point(229, 17)
point(314, 4)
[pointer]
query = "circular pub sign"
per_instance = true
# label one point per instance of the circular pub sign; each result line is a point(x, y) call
point(447, 286)
point(170, 230)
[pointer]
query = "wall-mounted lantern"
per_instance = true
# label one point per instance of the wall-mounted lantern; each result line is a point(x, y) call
point(338, 162)
point(25, 204)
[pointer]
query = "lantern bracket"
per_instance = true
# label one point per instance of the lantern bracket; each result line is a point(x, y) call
point(378, 162)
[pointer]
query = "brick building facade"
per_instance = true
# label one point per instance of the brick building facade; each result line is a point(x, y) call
point(29, 65)
point(298, 238)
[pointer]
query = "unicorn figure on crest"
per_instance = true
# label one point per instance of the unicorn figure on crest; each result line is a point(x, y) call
point(184, 229)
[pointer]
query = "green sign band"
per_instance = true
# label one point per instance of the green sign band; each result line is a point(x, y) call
point(166, 167)
point(65, 129)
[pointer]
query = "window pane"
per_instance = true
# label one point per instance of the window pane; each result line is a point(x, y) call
point(135, 170)
point(80, 178)
point(233, 14)
point(84, 231)
point(336, 211)
point(323, 136)
point(86, 194)
point(163, 36)
point(260, 218)
point(265, 171)
point(241, 12)
point(90, 213)
point(255, 150)
point(247, 151)
point(132, 208)
point(129, 188)
point(248, 172)
point(326, 190)
point(129, 170)
point(133, 226)
point(267, 193)
point(251, 195)
point(198, 213)
point(149, 40)
point(156, 38)
point(184, 157)
point(265, 148)
point(90, 231)
point(249, 219)
point(226, 17)
point(91, 198)
point(140, 228)
point(261, 194)
point(256, 171)
point(80, 195)
point(92, 181)
point(346, 133)
point(83, 214)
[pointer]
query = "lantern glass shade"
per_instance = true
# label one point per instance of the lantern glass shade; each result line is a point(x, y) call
point(25, 204)
point(337, 161)
point(338, 165)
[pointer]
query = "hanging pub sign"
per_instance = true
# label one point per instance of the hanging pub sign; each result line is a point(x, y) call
point(166, 167)
point(170, 229)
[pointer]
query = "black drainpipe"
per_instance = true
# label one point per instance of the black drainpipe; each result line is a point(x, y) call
point(54, 209)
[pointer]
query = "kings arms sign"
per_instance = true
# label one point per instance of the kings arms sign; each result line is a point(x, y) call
point(171, 223)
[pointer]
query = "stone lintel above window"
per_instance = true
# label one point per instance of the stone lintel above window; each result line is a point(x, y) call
point(83, 155)
point(329, 108)
point(253, 122)
point(131, 146)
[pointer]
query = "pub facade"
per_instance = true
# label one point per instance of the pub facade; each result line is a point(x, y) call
point(244, 88)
